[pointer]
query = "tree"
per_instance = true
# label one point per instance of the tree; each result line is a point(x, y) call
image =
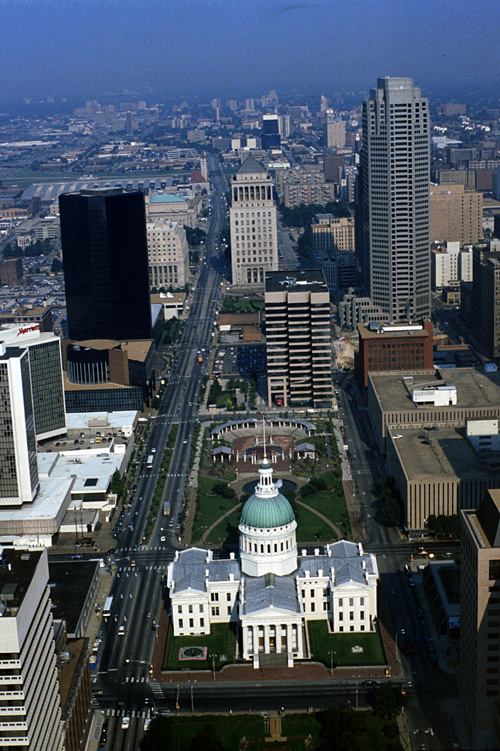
point(56, 266)
point(207, 739)
point(389, 507)
point(443, 526)
point(116, 485)
point(389, 700)
point(194, 236)
point(342, 728)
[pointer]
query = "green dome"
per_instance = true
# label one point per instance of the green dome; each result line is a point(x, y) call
point(267, 513)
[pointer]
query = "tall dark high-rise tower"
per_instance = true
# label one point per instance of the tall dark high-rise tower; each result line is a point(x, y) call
point(105, 256)
point(393, 219)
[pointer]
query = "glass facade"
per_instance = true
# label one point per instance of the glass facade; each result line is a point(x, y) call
point(104, 400)
point(47, 387)
point(105, 255)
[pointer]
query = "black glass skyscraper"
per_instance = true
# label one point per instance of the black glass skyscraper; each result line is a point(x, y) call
point(105, 257)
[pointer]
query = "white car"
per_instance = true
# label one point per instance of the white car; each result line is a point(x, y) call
point(125, 723)
point(121, 631)
point(162, 538)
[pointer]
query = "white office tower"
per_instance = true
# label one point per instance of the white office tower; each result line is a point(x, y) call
point(393, 199)
point(30, 713)
point(335, 131)
point(19, 481)
point(46, 374)
point(254, 237)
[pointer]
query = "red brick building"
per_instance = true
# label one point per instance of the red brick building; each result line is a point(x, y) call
point(385, 347)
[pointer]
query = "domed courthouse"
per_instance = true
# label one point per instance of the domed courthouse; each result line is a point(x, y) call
point(272, 591)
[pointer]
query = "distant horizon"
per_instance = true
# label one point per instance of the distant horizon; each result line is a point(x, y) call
point(438, 91)
point(67, 48)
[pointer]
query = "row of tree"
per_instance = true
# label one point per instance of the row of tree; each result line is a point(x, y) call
point(32, 250)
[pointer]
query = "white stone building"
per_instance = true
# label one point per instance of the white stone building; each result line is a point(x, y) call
point(168, 253)
point(253, 222)
point(272, 591)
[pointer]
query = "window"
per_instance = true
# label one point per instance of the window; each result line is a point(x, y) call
point(228, 596)
point(180, 622)
point(179, 608)
point(201, 608)
point(362, 615)
point(229, 609)
point(202, 623)
point(351, 616)
point(494, 570)
point(361, 601)
point(191, 623)
point(340, 602)
point(190, 608)
point(215, 611)
point(214, 596)
point(351, 601)
point(313, 607)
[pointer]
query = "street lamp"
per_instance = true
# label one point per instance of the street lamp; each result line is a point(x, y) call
point(399, 631)
point(331, 661)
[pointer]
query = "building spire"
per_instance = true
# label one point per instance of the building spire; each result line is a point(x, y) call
point(264, 436)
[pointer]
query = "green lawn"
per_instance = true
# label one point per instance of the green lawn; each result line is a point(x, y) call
point(227, 530)
point(209, 507)
point(331, 503)
point(310, 528)
point(322, 643)
point(176, 733)
point(221, 642)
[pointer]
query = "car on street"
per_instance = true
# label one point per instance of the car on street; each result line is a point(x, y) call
point(162, 538)
point(125, 723)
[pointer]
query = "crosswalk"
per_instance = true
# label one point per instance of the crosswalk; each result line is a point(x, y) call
point(132, 713)
point(129, 569)
point(135, 679)
point(157, 689)
point(141, 549)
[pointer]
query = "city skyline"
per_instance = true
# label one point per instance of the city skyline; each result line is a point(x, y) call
point(67, 49)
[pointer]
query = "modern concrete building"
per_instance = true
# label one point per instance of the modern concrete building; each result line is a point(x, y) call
point(450, 265)
point(479, 666)
point(19, 482)
point(11, 272)
point(438, 472)
point(298, 339)
point(486, 299)
point(271, 138)
point(271, 591)
point(385, 347)
point(432, 398)
point(354, 309)
point(340, 270)
point(105, 255)
point(334, 131)
point(30, 713)
point(104, 375)
point(37, 314)
point(393, 200)
point(456, 214)
point(46, 377)
point(168, 254)
point(332, 233)
point(253, 220)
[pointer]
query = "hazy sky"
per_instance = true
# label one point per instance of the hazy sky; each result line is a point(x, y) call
point(226, 47)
